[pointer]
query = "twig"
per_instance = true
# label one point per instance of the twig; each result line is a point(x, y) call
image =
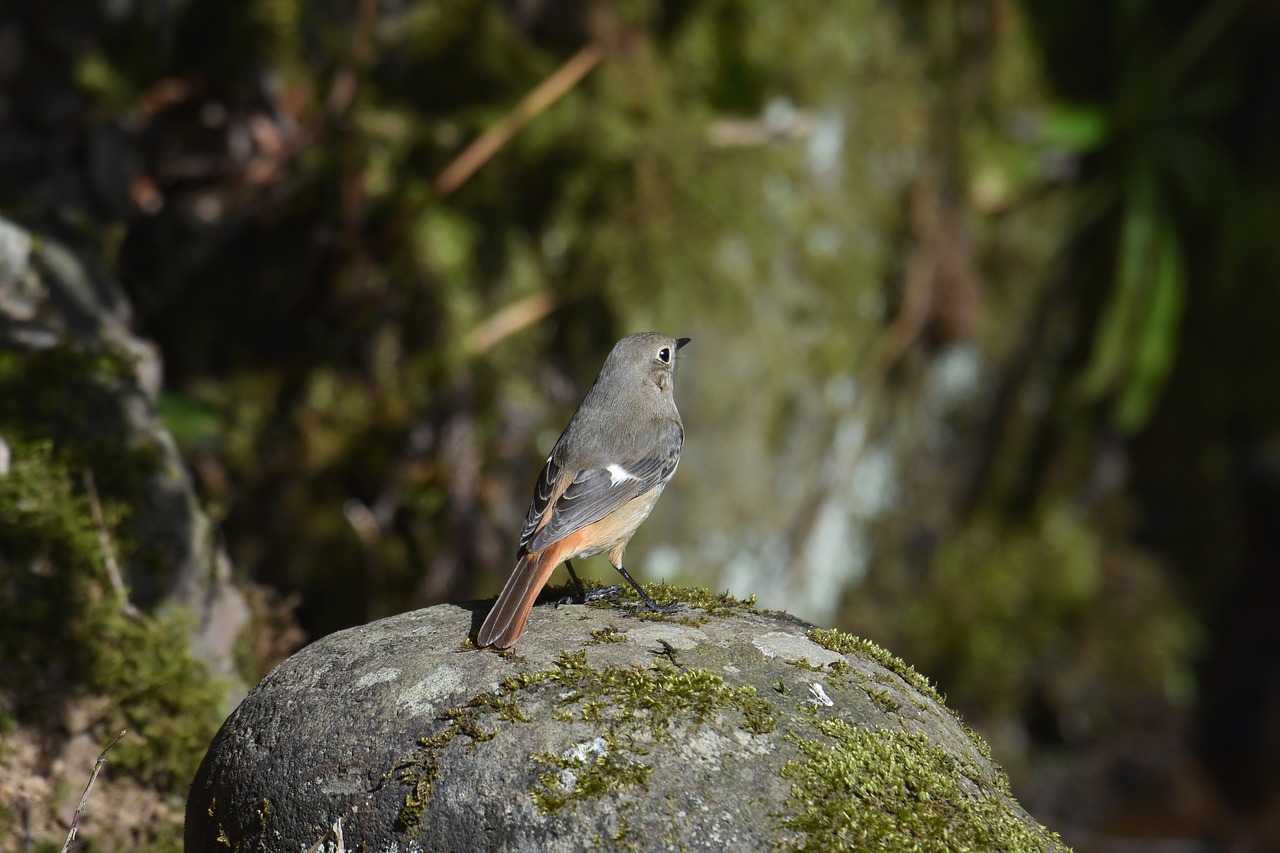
point(509, 320)
point(108, 554)
point(543, 95)
point(84, 799)
point(487, 144)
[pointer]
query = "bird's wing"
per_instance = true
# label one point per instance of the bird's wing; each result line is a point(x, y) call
point(564, 505)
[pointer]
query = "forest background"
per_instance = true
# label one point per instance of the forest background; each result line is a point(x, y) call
point(984, 306)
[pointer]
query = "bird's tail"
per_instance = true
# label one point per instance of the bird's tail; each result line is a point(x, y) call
point(505, 622)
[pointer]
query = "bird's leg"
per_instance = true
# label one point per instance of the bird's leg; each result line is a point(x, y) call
point(584, 595)
point(670, 607)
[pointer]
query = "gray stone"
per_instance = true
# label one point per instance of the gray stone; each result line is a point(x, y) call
point(716, 728)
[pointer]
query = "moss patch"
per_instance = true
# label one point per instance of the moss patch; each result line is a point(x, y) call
point(635, 708)
point(847, 644)
point(699, 604)
point(886, 789)
point(697, 598)
point(65, 636)
point(608, 635)
point(587, 772)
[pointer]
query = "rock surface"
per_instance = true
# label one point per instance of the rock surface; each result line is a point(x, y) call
point(717, 728)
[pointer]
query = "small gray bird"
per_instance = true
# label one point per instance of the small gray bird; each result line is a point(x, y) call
point(601, 480)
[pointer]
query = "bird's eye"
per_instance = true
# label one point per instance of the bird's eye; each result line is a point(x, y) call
point(664, 355)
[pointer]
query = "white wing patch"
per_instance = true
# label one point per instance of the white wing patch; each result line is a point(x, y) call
point(618, 474)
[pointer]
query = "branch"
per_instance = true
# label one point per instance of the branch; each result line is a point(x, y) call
point(84, 799)
point(543, 95)
point(509, 320)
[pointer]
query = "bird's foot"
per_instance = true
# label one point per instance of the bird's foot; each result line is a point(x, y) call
point(654, 607)
point(587, 596)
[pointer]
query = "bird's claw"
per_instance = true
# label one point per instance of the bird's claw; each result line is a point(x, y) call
point(587, 596)
point(654, 607)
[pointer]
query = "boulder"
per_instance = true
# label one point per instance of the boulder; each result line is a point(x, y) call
point(720, 727)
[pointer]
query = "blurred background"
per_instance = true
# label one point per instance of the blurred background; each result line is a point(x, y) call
point(295, 298)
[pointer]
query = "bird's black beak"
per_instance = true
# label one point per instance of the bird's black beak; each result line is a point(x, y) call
point(680, 342)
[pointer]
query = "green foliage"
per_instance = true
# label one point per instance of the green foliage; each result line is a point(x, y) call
point(317, 331)
point(608, 635)
point(1160, 174)
point(49, 391)
point(1137, 335)
point(190, 423)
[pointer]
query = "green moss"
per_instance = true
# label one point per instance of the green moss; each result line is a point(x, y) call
point(886, 789)
point(504, 706)
point(635, 707)
point(66, 394)
point(884, 700)
point(803, 663)
point(846, 644)
point(655, 695)
point(420, 775)
point(842, 672)
point(421, 771)
point(587, 772)
point(59, 605)
point(697, 598)
point(165, 697)
point(622, 838)
point(79, 399)
point(607, 635)
point(669, 652)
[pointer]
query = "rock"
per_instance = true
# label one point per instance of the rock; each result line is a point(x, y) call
point(86, 379)
point(119, 607)
point(717, 728)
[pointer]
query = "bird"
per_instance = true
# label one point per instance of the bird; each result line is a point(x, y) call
point(601, 480)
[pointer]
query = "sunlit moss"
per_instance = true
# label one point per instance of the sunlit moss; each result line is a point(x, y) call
point(588, 774)
point(886, 789)
point(846, 644)
point(608, 635)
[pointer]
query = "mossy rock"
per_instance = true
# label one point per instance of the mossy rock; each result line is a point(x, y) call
point(718, 727)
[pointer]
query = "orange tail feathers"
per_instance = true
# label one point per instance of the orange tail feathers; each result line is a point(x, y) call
point(505, 622)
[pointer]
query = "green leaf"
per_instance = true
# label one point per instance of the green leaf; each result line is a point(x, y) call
point(1112, 346)
point(190, 422)
point(1076, 127)
point(1137, 334)
point(1157, 343)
